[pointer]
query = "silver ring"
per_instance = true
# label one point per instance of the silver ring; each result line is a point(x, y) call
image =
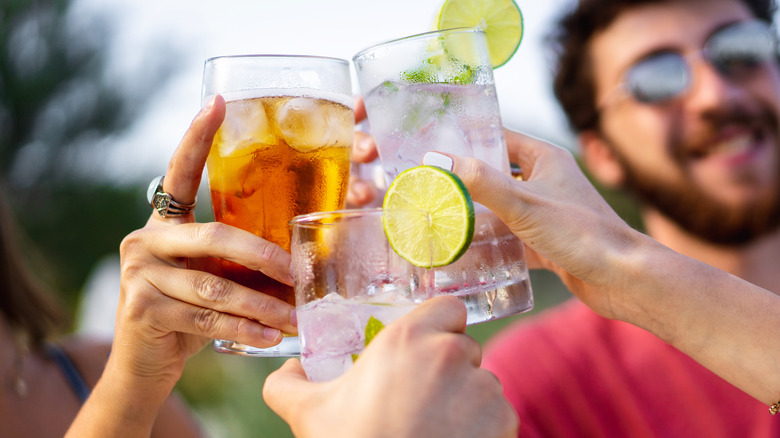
point(163, 202)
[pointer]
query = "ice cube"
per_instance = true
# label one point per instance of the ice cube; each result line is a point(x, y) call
point(330, 333)
point(342, 125)
point(330, 326)
point(322, 369)
point(445, 134)
point(304, 124)
point(333, 328)
point(245, 125)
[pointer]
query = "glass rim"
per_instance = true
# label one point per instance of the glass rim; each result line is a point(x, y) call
point(276, 56)
point(314, 220)
point(423, 35)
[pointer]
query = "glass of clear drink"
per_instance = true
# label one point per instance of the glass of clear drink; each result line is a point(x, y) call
point(349, 282)
point(282, 151)
point(436, 92)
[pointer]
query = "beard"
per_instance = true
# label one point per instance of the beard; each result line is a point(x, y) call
point(694, 210)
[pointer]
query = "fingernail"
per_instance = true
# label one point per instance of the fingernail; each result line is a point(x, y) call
point(271, 333)
point(210, 104)
point(294, 318)
point(438, 160)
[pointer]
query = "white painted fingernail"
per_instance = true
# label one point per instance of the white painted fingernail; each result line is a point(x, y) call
point(438, 160)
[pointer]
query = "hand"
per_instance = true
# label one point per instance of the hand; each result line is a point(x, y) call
point(168, 310)
point(558, 214)
point(363, 151)
point(419, 377)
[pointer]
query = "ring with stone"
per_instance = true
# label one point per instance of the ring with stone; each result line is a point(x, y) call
point(163, 202)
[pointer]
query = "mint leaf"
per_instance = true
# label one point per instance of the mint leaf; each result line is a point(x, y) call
point(421, 75)
point(390, 86)
point(465, 76)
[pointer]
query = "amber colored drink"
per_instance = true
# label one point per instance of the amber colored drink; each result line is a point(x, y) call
point(276, 157)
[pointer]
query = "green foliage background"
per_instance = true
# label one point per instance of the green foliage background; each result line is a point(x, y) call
point(56, 104)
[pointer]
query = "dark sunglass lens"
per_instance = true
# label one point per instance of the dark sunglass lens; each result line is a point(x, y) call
point(658, 77)
point(740, 47)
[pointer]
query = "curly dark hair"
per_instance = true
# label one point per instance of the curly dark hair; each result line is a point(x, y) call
point(573, 82)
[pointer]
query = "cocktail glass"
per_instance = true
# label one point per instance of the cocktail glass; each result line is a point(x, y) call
point(282, 151)
point(348, 283)
point(435, 91)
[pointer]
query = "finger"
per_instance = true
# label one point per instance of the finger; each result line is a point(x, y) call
point(441, 314)
point(171, 315)
point(360, 110)
point(364, 149)
point(360, 192)
point(487, 185)
point(525, 151)
point(217, 240)
point(186, 166)
point(211, 292)
point(285, 388)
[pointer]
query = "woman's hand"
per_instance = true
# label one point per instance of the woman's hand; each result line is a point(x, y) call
point(170, 303)
point(558, 214)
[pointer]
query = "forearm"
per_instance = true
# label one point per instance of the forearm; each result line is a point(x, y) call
point(121, 405)
point(720, 320)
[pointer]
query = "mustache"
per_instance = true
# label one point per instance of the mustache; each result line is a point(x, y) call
point(684, 146)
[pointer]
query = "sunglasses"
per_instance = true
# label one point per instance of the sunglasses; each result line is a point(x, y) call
point(735, 51)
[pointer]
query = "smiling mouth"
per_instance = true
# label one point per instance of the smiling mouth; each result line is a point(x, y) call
point(731, 145)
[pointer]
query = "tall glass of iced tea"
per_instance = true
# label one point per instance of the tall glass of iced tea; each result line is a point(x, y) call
point(282, 151)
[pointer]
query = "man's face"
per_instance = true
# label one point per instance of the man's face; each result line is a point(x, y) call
point(707, 159)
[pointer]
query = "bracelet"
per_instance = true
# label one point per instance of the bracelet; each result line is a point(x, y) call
point(774, 408)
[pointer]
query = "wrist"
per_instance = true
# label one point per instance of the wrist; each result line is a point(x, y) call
point(136, 381)
point(648, 271)
point(120, 405)
point(631, 280)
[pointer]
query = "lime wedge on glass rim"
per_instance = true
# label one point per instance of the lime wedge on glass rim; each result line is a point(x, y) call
point(501, 20)
point(443, 230)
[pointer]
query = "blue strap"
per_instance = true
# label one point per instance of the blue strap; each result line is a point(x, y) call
point(72, 375)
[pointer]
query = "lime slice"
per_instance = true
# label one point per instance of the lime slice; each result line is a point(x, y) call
point(501, 21)
point(440, 224)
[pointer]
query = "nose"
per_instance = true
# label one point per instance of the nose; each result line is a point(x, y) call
point(711, 89)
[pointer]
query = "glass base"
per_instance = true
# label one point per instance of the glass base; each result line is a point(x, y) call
point(289, 347)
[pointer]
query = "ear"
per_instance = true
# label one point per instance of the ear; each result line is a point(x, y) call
point(600, 159)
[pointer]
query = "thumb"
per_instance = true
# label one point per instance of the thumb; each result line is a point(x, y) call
point(286, 387)
point(443, 313)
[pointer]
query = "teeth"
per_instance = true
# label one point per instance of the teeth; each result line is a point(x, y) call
point(733, 145)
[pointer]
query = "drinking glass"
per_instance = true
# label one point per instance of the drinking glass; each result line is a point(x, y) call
point(282, 151)
point(435, 92)
point(349, 282)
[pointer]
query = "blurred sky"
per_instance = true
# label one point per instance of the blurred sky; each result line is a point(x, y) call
point(200, 29)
